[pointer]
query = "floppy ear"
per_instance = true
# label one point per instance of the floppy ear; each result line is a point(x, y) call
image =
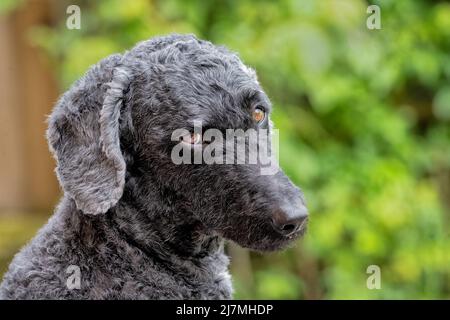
point(83, 135)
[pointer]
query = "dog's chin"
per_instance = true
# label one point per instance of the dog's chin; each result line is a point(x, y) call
point(277, 243)
point(272, 242)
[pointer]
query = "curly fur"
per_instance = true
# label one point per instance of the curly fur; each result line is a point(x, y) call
point(137, 225)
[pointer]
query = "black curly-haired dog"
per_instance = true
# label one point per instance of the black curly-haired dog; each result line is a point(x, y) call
point(132, 224)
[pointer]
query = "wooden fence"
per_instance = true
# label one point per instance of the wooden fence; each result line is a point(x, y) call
point(28, 91)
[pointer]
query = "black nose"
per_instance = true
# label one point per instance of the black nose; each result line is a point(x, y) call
point(289, 220)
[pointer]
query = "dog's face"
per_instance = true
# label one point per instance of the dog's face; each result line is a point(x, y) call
point(255, 210)
point(120, 120)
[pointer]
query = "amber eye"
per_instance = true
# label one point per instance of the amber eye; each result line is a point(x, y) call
point(192, 138)
point(259, 114)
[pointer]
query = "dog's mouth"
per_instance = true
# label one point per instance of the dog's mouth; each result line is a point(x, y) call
point(266, 238)
point(297, 234)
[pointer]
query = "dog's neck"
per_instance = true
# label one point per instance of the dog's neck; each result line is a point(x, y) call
point(150, 218)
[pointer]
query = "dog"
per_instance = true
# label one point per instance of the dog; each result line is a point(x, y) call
point(132, 224)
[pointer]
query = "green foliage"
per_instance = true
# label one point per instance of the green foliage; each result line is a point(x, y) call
point(7, 6)
point(364, 127)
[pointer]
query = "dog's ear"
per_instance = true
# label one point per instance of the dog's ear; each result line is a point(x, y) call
point(83, 135)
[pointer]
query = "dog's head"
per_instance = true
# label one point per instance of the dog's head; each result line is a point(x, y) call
point(131, 114)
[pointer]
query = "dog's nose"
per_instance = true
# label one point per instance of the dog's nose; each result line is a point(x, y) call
point(289, 220)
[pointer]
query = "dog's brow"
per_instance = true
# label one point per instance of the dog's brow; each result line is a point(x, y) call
point(221, 90)
point(254, 97)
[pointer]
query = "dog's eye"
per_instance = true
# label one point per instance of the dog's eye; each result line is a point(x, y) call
point(259, 114)
point(192, 138)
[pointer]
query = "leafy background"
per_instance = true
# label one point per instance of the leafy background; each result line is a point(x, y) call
point(364, 129)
